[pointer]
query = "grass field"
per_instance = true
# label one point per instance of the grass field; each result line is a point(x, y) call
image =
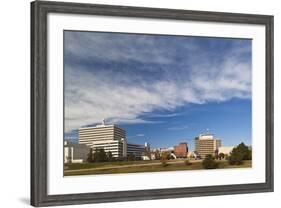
point(140, 166)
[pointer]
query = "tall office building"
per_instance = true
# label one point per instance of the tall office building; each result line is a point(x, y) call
point(206, 144)
point(110, 138)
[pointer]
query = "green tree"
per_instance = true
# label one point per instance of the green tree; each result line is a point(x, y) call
point(240, 153)
point(100, 155)
point(245, 151)
point(109, 156)
point(209, 162)
point(235, 158)
point(216, 154)
point(248, 155)
point(166, 156)
point(90, 157)
point(221, 155)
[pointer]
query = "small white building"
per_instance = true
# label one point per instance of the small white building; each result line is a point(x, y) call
point(192, 155)
point(144, 157)
point(226, 150)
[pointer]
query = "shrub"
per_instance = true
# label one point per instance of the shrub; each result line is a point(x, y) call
point(165, 155)
point(235, 158)
point(221, 156)
point(209, 162)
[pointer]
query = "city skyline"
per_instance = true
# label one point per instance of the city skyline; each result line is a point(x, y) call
point(174, 134)
point(167, 88)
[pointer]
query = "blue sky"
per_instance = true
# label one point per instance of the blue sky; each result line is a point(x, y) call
point(161, 89)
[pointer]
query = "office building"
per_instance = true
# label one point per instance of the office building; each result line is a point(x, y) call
point(181, 150)
point(206, 144)
point(135, 149)
point(110, 138)
point(100, 133)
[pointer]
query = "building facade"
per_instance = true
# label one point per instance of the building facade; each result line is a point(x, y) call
point(181, 150)
point(206, 144)
point(226, 150)
point(110, 138)
point(75, 153)
point(104, 133)
point(135, 149)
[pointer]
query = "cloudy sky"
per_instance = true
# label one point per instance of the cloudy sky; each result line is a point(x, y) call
point(161, 89)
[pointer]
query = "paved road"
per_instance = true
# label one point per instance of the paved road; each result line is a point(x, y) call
point(128, 166)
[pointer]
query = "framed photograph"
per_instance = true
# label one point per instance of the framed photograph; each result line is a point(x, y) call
point(131, 103)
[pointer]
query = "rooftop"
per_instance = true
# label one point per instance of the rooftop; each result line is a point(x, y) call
point(103, 124)
point(97, 126)
point(205, 136)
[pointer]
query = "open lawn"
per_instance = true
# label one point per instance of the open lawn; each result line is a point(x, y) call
point(141, 166)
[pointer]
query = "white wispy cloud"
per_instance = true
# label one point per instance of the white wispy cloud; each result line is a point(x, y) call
point(122, 48)
point(93, 92)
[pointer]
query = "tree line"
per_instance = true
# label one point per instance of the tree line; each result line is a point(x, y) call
point(99, 155)
point(236, 157)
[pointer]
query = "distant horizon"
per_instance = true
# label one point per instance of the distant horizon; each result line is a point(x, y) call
point(141, 138)
point(184, 141)
point(161, 89)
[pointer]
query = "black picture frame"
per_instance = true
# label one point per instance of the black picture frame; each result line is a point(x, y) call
point(39, 98)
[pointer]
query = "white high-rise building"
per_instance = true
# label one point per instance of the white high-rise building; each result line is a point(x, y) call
point(110, 138)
